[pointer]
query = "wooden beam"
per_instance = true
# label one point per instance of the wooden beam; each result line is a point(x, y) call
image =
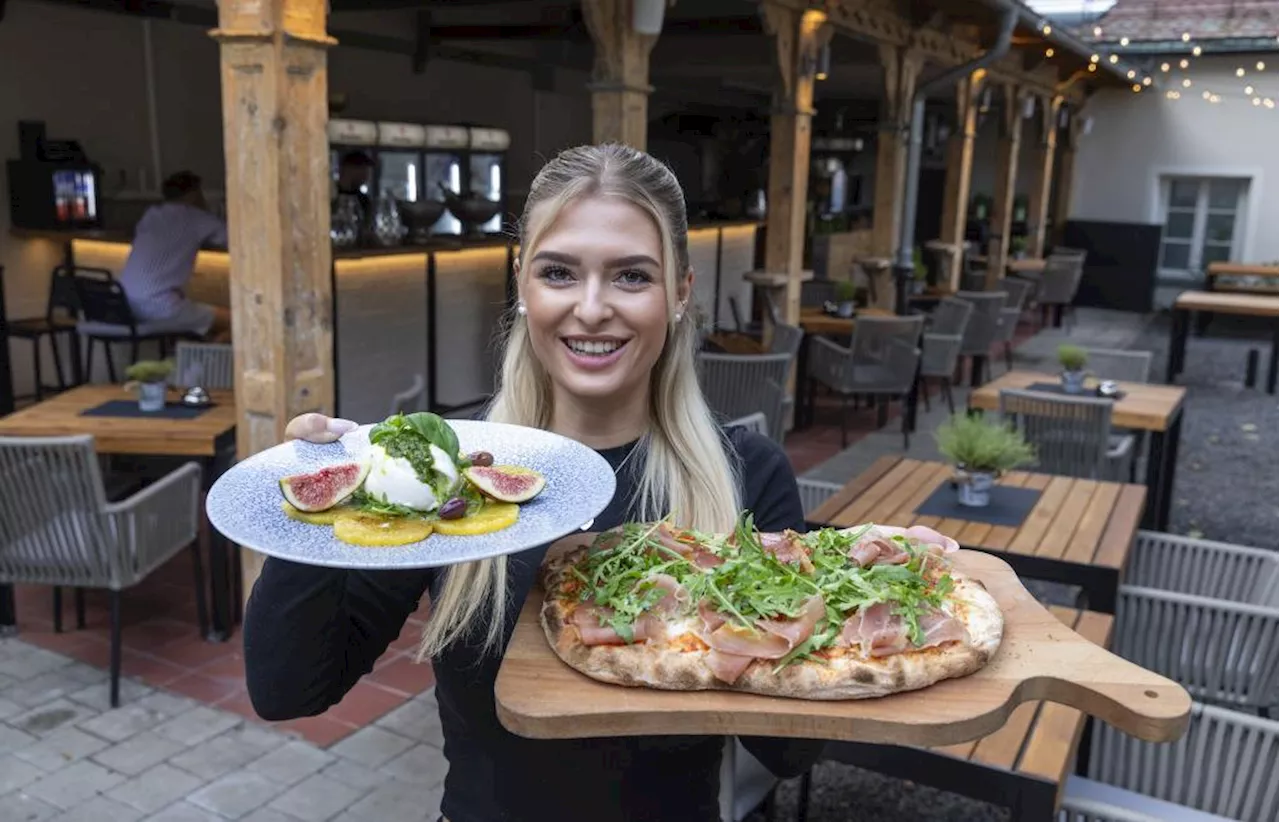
point(620, 79)
point(901, 72)
point(955, 198)
point(797, 38)
point(1042, 175)
point(1066, 169)
point(1008, 148)
point(274, 111)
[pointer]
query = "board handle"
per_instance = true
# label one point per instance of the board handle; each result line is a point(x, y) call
point(1077, 673)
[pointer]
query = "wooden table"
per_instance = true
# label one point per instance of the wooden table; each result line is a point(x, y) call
point(1028, 265)
point(1079, 531)
point(1155, 409)
point(1216, 271)
point(208, 438)
point(731, 342)
point(1022, 766)
point(1207, 303)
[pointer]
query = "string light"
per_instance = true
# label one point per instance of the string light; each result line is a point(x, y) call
point(1248, 89)
point(1048, 52)
point(1269, 103)
point(1097, 31)
point(1164, 67)
point(1197, 51)
point(1136, 88)
point(1093, 58)
point(1257, 101)
point(1240, 71)
point(1174, 95)
point(1048, 29)
point(1215, 99)
point(1132, 74)
point(1146, 81)
point(1206, 95)
point(1183, 63)
point(1124, 41)
point(1186, 83)
point(1115, 58)
point(1186, 37)
point(1262, 66)
point(1093, 67)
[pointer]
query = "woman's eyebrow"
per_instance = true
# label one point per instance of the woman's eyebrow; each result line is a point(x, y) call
point(619, 262)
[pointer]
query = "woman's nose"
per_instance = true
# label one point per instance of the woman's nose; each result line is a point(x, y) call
point(593, 307)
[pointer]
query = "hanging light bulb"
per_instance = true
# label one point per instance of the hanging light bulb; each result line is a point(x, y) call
point(1186, 37)
point(1183, 63)
point(1215, 99)
point(1197, 51)
point(1136, 88)
point(824, 63)
point(1124, 41)
point(1186, 82)
point(1093, 67)
point(1248, 89)
point(1115, 58)
point(1206, 95)
point(1240, 71)
point(1262, 66)
point(1172, 95)
point(1048, 29)
point(1048, 52)
point(1097, 31)
point(1164, 67)
point(1132, 74)
point(1269, 103)
point(1093, 58)
point(1257, 101)
point(1146, 81)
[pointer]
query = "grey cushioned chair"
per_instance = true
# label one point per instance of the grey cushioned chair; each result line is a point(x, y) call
point(208, 365)
point(943, 338)
point(736, 385)
point(1072, 435)
point(57, 527)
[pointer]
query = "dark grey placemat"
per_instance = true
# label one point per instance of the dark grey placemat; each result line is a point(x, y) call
point(1056, 388)
point(129, 408)
point(1009, 506)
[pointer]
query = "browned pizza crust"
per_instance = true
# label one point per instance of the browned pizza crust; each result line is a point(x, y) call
point(848, 676)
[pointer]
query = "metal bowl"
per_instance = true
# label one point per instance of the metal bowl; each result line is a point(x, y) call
point(422, 213)
point(1108, 388)
point(472, 211)
point(195, 395)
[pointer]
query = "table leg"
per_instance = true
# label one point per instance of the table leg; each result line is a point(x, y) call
point(1271, 369)
point(8, 617)
point(804, 389)
point(977, 365)
point(219, 551)
point(1162, 460)
point(1177, 345)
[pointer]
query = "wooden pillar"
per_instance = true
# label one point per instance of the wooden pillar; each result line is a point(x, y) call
point(1042, 175)
point(620, 79)
point(797, 38)
point(274, 115)
point(955, 198)
point(1007, 151)
point(901, 71)
point(1064, 180)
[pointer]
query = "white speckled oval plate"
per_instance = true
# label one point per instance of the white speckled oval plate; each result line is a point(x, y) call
point(244, 504)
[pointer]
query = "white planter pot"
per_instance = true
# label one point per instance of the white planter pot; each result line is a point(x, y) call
point(1073, 382)
point(974, 488)
point(151, 396)
point(846, 309)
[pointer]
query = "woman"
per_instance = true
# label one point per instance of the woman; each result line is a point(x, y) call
point(601, 351)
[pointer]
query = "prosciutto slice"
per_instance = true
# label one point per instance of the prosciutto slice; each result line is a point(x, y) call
point(731, 638)
point(674, 597)
point(727, 667)
point(877, 629)
point(696, 554)
point(586, 618)
point(797, 630)
point(786, 547)
point(711, 618)
point(874, 549)
point(939, 627)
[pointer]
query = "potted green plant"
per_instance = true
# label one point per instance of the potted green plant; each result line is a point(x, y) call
point(151, 379)
point(845, 293)
point(1073, 359)
point(1018, 247)
point(981, 451)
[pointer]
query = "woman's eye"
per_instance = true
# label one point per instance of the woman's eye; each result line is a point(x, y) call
point(556, 274)
point(634, 278)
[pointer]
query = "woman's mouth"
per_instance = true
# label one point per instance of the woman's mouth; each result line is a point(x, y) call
point(594, 354)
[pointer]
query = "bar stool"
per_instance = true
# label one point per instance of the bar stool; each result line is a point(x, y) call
point(59, 318)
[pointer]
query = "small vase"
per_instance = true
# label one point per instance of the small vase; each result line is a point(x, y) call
point(846, 309)
point(974, 488)
point(151, 396)
point(1073, 382)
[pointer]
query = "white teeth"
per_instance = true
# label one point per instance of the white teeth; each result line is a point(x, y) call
point(593, 347)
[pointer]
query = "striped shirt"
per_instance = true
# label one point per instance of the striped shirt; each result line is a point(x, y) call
point(163, 255)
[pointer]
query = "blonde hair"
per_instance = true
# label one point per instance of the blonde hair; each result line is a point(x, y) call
point(687, 471)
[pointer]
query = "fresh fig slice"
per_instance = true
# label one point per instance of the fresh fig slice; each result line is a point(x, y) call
point(323, 489)
point(506, 483)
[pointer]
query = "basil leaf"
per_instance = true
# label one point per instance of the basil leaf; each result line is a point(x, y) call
point(435, 430)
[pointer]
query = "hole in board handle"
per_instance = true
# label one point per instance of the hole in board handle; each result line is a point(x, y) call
point(1151, 694)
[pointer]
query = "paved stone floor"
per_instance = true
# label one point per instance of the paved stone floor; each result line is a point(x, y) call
point(159, 756)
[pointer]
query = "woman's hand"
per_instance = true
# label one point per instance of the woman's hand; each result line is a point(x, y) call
point(317, 428)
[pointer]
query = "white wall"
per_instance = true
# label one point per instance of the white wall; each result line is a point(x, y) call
point(1138, 138)
point(83, 74)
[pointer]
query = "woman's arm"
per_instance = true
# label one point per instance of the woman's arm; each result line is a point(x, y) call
point(771, 494)
point(310, 633)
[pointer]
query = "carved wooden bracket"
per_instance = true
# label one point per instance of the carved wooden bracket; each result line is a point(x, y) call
point(902, 67)
point(621, 55)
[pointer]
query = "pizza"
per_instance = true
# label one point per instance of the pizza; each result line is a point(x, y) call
point(852, 613)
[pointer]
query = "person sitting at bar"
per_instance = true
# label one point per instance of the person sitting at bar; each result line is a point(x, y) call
point(163, 257)
point(355, 172)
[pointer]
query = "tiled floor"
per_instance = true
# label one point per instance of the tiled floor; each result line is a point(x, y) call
point(162, 648)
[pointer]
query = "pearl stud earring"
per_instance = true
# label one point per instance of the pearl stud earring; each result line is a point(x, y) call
point(520, 308)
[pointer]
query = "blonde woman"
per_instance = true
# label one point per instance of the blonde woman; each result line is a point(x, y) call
point(601, 350)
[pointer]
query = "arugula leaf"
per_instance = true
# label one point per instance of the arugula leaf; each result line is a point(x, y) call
point(365, 501)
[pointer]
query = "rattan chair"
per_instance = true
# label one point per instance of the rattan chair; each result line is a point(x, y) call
point(1223, 767)
point(1072, 435)
point(940, 351)
point(1059, 284)
point(1119, 364)
point(1017, 293)
point(1203, 614)
point(756, 423)
point(57, 527)
point(880, 362)
point(983, 330)
point(411, 399)
point(814, 492)
point(736, 385)
point(208, 365)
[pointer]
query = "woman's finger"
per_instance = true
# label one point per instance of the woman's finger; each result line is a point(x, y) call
point(317, 428)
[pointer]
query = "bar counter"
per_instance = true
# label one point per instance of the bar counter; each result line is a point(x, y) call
point(432, 312)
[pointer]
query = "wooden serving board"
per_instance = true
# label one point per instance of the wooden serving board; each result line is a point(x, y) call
point(539, 696)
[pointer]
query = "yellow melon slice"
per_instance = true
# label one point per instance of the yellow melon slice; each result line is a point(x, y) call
point(373, 531)
point(326, 517)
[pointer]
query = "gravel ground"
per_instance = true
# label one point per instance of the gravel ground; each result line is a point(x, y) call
point(1225, 489)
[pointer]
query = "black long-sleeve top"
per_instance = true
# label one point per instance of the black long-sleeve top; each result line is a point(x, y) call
point(310, 633)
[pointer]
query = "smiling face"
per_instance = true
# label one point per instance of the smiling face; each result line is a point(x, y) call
point(596, 301)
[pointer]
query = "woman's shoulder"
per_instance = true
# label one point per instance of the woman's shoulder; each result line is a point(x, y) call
point(768, 483)
point(753, 450)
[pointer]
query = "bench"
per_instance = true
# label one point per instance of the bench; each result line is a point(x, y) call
point(1023, 766)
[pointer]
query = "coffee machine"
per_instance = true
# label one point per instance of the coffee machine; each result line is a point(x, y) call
point(53, 185)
